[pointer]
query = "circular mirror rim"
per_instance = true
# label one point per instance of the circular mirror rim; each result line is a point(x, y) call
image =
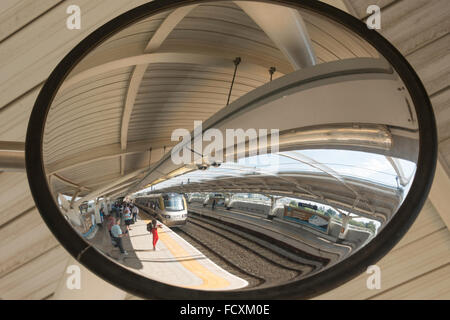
point(309, 287)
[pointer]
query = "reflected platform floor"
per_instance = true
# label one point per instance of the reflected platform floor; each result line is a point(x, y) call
point(175, 261)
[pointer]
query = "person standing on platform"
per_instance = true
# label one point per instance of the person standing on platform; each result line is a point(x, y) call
point(153, 228)
point(127, 217)
point(121, 208)
point(115, 210)
point(214, 204)
point(135, 212)
point(117, 236)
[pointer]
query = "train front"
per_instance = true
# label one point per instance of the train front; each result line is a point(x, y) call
point(174, 211)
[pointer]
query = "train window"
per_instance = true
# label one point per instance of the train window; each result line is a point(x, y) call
point(174, 203)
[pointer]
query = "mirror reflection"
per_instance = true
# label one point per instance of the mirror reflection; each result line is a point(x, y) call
point(231, 145)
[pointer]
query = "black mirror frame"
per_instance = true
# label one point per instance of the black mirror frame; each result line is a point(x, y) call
point(302, 289)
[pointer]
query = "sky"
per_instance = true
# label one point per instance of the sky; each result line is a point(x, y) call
point(341, 163)
point(345, 163)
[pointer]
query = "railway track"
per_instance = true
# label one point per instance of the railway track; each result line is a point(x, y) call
point(240, 255)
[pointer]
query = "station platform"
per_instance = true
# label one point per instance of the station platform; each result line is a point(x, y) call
point(175, 261)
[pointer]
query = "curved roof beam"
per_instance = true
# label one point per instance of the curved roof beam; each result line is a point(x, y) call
point(119, 183)
point(327, 170)
point(118, 190)
point(138, 73)
point(286, 179)
point(116, 194)
point(308, 85)
point(395, 163)
point(167, 26)
point(70, 183)
point(133, 88)
point(102, 153)
point(210, 60)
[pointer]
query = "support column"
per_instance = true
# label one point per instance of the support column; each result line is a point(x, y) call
point(286, 28)
point(344, 228)
point(273, 206)
point(98, 219)
point(105, 206)
point(72, 214)
point(12, 156)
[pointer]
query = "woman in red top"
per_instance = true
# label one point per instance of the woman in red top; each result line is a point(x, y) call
point(154, 231)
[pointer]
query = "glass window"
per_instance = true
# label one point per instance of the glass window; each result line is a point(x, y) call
point(173, 203)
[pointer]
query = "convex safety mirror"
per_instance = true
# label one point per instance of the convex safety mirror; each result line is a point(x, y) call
point(231, 149)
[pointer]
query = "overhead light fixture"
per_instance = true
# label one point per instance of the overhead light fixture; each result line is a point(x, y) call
point(356, 135)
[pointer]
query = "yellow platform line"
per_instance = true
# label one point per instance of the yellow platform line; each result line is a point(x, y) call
point(210, 279)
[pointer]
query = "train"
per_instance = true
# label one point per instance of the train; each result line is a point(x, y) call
point(195, 197)
point(169, 208)
point(218, 197)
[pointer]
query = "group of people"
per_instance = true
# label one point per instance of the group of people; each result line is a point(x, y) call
point(128, 212)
